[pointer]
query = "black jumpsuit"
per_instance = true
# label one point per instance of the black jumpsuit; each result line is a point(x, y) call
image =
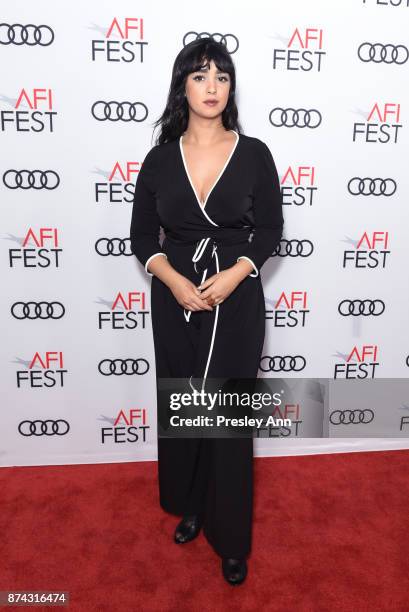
point(241, 217)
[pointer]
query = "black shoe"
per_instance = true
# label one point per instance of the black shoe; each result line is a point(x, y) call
point(187, 529)
point(234, 570)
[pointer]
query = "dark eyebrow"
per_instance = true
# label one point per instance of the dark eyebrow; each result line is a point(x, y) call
point(205, 68)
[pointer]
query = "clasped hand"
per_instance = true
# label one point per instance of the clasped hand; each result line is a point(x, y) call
point(213, 291)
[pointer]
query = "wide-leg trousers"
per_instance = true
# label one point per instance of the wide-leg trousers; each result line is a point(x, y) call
point(212, 477)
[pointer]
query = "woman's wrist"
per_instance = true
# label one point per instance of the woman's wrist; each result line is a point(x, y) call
point(163, 269)
point(242, 269)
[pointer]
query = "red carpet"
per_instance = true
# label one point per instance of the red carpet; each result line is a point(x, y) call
point(329, 535)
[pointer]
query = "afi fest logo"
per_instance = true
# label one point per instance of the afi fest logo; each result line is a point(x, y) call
point(39, 116)
point(43, 371)
point(360, 363)
point(291, 412)
point(381, 124)
point(371, 251)
point(128, 426)
point(128, 311)
point(290, 310)
point(304, 51)
point(298, 186)
point(119, 184)
point(44, 252)
point(122, 42)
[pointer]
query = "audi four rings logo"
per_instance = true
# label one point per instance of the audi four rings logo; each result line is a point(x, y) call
point(288, 363)
point(351, 417)
point(37, 310)
point(294, 248)
point(113, 246)
point(118, 367)
point(119, 111)
point(44, 428)
point(368, 186)
point(361, 307)
point(230, 41)
point(379, 53)
point(31, 179)
point(30, 34)
point(295, 117)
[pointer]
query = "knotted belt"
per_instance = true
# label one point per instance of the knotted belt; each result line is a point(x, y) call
point(204, 254)
point(202, 258)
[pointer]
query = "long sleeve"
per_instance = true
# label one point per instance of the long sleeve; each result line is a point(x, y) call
point(145, 222)
point(268, 212)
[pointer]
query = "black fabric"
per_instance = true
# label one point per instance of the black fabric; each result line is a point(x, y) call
point(247, 195)
point(213, 477)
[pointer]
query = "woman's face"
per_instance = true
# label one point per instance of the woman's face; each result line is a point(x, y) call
point(207, 84)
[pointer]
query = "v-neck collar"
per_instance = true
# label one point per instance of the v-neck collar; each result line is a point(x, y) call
point(203, 206)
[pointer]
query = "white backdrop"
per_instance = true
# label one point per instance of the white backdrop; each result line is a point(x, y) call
point(67, 181)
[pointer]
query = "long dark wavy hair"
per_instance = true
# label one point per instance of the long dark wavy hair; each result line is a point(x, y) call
point(174, 119)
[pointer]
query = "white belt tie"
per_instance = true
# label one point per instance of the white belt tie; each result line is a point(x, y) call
point(199, 253)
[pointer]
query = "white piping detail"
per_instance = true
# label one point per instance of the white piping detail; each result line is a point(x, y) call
point(252, 263)
point(200, 250)
point(151, 257)
point(214, 328)
point(190, 383)
point(187, 313)
point(202, 207)
point(198, 253)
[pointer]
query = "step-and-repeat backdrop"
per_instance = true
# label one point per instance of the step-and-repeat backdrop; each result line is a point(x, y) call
point(81, 85)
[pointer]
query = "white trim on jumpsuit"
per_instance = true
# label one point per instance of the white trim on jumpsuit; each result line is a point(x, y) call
point(252, 263)
point(151, 257)
point(203, 205)
point(203, 243)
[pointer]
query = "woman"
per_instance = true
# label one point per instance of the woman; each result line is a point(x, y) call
point(216, 193)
